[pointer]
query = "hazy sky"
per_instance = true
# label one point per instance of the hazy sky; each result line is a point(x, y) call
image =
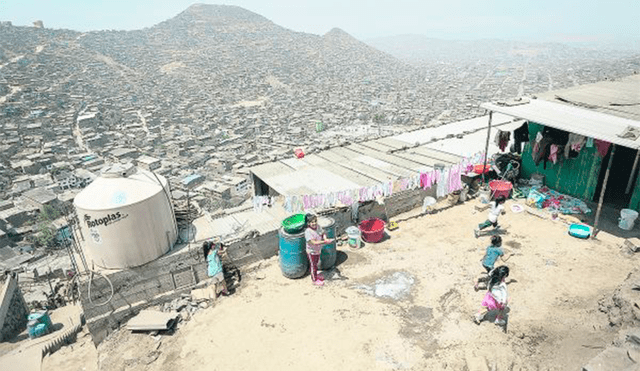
point(590, 20)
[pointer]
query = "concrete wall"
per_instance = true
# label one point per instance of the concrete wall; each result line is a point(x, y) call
point(13, 309)
point(153, 283)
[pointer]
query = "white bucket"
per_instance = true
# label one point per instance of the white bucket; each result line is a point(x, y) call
point(627, 219)
point(485, 195)
point(353, 234)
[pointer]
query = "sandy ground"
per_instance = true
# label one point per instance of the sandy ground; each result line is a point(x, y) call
point(403, 304)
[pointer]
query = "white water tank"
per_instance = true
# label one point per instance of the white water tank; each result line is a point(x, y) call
point(126, 218)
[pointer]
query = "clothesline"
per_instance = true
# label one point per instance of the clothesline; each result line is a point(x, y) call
point(447, 180)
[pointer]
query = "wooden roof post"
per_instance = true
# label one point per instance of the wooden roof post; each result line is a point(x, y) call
point(486, 147)
point(604, 187)
point(633, 172)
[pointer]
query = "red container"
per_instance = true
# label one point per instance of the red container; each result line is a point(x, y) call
point(372, 230)
point(478, 168)
point(500, 188)
point(298, 152)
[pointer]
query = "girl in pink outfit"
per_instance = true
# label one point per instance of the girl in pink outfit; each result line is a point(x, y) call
point(496, 298)
point(316, 239)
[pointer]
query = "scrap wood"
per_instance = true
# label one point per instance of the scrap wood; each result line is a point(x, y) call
point(150, 320)
point(535, 213)
point(633, 244)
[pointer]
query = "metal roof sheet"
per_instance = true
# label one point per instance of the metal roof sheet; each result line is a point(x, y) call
point(619, 98)
point(573, 119)
point(372, 162)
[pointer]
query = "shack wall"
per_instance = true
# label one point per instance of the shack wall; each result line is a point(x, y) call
point(634, 204)
point(577, 177)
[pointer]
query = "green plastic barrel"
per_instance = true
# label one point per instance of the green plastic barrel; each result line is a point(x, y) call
point(329, 253)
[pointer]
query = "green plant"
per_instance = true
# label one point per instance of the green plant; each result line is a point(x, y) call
point(45, 234)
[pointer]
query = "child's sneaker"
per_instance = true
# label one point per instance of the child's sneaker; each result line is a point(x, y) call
point(318, 283)
point(478, 317)
point(476, 233)
point(475, 287)
point(500, 322)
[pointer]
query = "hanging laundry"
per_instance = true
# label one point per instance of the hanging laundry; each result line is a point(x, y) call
point(443, 181)
point(455, 181)
point(520, 135)
point(553, 153)
point(602, 147)
point(574, 145)
point(541, 150)
point(502, 139)
point(354, 211)
point(426, 180)
point(589, 143)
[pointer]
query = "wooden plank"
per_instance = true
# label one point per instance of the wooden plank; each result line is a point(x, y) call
point(151, 320)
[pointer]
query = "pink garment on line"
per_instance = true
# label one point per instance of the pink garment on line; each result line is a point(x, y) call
point(553, 153)
point(602, 147)
point(455, 182)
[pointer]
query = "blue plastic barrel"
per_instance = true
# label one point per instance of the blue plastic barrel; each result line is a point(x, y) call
point(293, 255)
point(40, 317)
point(329, 253)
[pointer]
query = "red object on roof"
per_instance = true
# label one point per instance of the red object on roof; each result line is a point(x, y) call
point(478, 168)
point(298, 152)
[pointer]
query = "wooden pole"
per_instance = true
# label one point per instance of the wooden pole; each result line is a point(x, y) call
point(633, 171)
point(486, 147)
point(604, 187)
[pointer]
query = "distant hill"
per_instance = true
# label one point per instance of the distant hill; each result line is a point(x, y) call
point(207, 55)
point(207, 62)
point(224, 39)
point(420, 48)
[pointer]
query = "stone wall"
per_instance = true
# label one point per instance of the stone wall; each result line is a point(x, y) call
point(13, 309)
point(169, 276)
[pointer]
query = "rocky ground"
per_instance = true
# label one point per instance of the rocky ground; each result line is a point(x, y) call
point(405, 303)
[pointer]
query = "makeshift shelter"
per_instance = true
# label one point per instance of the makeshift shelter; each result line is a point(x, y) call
point(607, 113)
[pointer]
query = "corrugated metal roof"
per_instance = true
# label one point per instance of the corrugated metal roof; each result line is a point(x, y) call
point(473, 143)
point(372, 162)
point(573, 119)
point(619, 98)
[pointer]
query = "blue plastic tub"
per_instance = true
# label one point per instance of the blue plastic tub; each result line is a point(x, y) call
point(580, 230)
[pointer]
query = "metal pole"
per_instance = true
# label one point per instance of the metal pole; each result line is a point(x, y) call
point(633, 171)
point(604, 187)
point(486, 147)
point(49, 280)
point(188, 220)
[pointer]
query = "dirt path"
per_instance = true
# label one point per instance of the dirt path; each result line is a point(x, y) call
point(405, 303)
